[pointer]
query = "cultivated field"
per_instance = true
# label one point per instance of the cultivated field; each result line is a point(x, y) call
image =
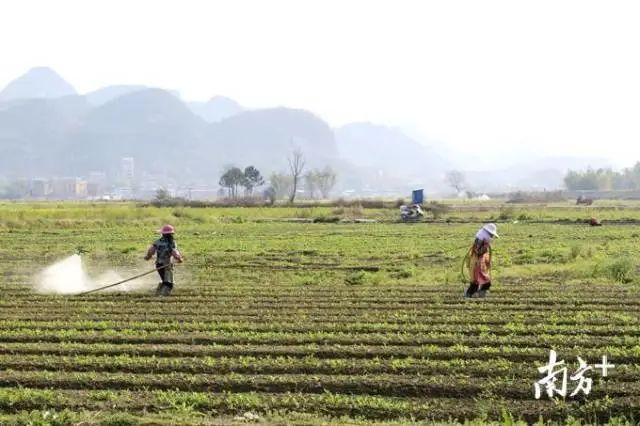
point(317, 323)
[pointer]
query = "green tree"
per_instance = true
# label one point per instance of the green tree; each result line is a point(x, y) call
point(232, 179)
point(252, 179)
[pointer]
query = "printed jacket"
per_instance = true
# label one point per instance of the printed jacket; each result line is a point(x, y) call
point(164, 250)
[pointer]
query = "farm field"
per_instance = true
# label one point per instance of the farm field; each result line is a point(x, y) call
point(318, 323)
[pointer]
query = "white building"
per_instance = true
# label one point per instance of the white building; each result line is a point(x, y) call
point(127, 170)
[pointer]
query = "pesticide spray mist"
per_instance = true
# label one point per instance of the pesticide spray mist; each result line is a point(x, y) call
point(68, 276)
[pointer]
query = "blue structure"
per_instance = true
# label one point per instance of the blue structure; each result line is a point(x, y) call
point(417, 196)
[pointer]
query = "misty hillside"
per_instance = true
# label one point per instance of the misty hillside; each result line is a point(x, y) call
point(37, 83)
point(109, 93)
point(387, 149)
point(47, 130)
point(216, 109)
point(544, 173)
point(267, 137)
point(151, 125)
point(75, 135)
point(34, 132)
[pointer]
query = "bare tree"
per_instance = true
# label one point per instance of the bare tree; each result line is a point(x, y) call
point(311, 182)
point(281, 185)
point(456, 179)
point(296, 166)
point(326, 181)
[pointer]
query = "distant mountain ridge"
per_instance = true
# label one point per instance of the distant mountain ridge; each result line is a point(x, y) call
point(46, 128)
point(75, 135)
point(37, 83)
point(109, 93)
point(216, 109)
point(388, 149)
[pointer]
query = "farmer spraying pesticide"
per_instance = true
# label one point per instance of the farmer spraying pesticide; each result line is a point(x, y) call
point(478, 261)
point(165, 249)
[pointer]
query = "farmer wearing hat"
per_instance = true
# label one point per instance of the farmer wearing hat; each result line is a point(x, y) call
point(165, 248)
point(478, 260)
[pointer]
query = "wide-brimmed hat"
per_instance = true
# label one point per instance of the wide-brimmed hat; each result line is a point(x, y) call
point(492, 229)
point(167, 229)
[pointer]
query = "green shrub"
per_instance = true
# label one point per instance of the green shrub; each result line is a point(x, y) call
point(507, 213)
point(524, 216)
point(44, 418)
point(326, 219)
point(361, 277)
point(407, 272)
point(128, 250)
point(238, 219)
point(575, 251)
point(437, 209)
point(399, 202)
point(620, 270)
point(121, 419)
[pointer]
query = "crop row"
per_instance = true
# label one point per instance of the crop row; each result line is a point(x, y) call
point(527, 355)
point(444, 301)
point(364, 406)
point(134, 336)
point(310, 365)
point(607, 334)
point(376, 384)
point(226, 289)
point(175, 309)
point(477, 307)
point(363, 292)
point(399, 320)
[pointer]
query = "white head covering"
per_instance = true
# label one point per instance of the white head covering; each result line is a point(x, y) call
point(487, 232)
point(483, 235)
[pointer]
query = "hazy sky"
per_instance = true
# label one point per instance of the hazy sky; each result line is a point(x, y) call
point(554, 76)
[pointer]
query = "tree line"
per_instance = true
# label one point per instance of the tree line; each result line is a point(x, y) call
point(604, 179)
point(316, 182)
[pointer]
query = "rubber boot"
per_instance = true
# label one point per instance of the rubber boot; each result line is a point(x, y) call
point(166, 289)
point(159, 289)
point(471, 291)
point(482, 293)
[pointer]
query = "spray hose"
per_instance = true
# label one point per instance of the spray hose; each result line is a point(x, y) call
point(465, 265)
point(124, 281)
